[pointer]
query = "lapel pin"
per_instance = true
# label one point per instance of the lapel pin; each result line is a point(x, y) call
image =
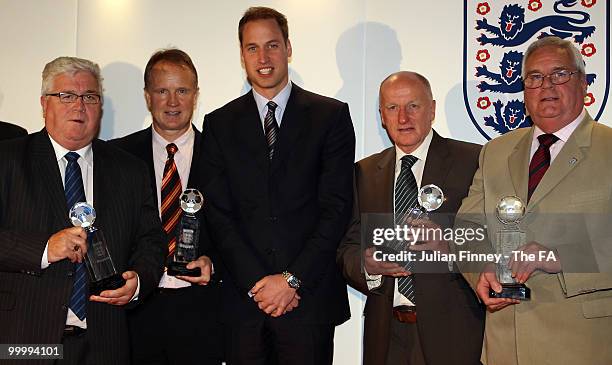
point(573, 161)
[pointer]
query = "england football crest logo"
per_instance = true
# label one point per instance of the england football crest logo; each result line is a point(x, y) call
point(496, 35)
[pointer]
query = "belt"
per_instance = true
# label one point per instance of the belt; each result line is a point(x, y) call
point(172, 291)
point(74, 331)
point(405, 314)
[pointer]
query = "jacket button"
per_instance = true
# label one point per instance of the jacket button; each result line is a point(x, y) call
point(70, 273)
point(273, 219)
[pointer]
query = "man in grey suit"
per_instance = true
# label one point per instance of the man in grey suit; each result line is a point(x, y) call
point(560, 168)
point(43, 282)
point(449, 324)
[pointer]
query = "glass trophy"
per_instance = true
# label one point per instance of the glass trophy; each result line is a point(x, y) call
point(430, 198)
point(187, 235)
point(102, 272)
point(509, 211)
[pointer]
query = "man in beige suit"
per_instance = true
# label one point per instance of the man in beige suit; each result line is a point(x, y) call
point(560, 168)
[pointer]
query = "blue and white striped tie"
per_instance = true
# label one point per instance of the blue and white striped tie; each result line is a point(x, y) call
point(73, 188)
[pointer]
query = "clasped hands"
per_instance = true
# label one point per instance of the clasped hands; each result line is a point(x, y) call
point(521, 272)
point(274, 296)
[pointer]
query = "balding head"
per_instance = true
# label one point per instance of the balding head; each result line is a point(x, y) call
point(407, 109)
point(402, 77)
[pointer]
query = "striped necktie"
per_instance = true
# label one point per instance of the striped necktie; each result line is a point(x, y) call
point(75, 193)
point(170, 192)
point(271, 128)
point(405, 199)
point(540, 162)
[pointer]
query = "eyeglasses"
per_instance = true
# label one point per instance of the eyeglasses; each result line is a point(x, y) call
point(70, 98)
point(534, 81)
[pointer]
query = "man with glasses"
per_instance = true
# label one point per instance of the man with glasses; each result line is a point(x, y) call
point(45, 297)
point(560, 169)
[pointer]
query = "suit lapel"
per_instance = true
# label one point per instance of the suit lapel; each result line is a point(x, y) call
point(518, 165)
point(45, 164)
point(384, 181)
point(145, 146)
point(438, 162)
point(295, 118)
point(381, 195)
point(195, 158)
point(568, 158)
point(105, 180)
point(249, 131)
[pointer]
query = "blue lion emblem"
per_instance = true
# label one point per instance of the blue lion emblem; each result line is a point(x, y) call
point(508, 80)
point(513, 117)
point(513, 31)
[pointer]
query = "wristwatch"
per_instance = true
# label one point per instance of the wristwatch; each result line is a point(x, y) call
point(292, 280)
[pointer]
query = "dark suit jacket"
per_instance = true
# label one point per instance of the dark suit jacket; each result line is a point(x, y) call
point(450, 320)
point(9, 131)
point(139, 144)
point(34, 302)
point(286, 214)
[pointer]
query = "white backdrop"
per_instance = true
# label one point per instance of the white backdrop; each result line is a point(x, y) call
point(341, 48)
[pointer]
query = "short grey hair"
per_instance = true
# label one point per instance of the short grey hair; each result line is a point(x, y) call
point(552, 41)
point(69, 65)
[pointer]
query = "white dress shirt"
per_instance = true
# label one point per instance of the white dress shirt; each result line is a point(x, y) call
point(281, 101)
point(182, 159)
point(374, 281)
point(563, 134)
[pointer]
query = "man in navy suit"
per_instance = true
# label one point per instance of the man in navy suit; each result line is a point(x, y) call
point(184, 307)
point(277, 171)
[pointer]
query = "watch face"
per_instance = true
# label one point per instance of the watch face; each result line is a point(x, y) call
point(293, 282)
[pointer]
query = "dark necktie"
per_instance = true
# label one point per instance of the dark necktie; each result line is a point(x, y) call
point(170, 193)
point(271, 128)
point(75, 193)
point(406, 191)
point(540, 162)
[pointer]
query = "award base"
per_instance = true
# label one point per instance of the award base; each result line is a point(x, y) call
point(176, 268)
point(110, 283)
point(512, 291)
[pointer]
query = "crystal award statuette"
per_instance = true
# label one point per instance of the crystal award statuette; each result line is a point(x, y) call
point(102, 273)
point(187, 235)
point(510, 210)
point(430, 198)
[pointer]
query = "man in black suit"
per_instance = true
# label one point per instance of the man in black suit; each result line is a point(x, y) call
point(448, 328)
point(279, 202)
point(9, 131)
point(42, 279)
point(185, 307)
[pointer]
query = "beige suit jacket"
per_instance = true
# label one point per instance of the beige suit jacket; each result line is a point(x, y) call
point(569, 318)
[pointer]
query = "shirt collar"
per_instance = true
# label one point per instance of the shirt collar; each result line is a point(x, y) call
point(564, 133)
point(420, 152)
point(182, 142)
point(280, 99)
point(85, 152)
